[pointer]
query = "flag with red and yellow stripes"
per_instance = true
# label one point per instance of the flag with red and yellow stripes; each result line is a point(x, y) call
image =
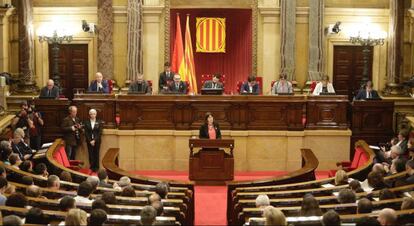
point(211, 35)
point(189, 75)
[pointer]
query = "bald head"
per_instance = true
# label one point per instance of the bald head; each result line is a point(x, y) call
point(387, 216)
point(50, 83)
point(99, 76)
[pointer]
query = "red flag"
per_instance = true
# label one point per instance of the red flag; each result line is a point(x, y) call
point(189, 60)
point(177, 64)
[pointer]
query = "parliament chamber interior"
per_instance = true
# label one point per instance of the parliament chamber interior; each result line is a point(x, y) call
point(207, 112)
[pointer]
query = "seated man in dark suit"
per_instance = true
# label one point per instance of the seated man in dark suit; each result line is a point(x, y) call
point(140, 86)
point(250, 86)
point(214, 83)
point(367, 93)
point(50, 90)
point(166, 78)
point(178, 86)
point(99, 84)
point(409, 166)
point(19, 146)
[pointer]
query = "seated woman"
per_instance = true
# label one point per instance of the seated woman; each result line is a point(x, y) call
point(250, 86)
point(324, 86)
point(210, 129)
point(282, 86)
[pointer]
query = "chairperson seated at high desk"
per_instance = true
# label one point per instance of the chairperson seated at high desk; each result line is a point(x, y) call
point(210, 129)
point(324, 86)
point(282, 85)
point(214, 83)
point(140, 86)
point(177, 86)
point(250, 86)
point(367, 93)
point(50, 90)
point(99, 84)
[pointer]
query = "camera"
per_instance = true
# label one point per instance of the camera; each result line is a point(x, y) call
point(88, 27)
point(333, 28)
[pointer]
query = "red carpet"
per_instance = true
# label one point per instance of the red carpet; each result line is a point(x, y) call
point(210, 201)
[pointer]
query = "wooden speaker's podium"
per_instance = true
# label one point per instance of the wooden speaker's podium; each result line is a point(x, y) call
point(211, 161)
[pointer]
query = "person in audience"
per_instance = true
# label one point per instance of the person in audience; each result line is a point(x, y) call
point(36, 131)
point(27, 180)
point(85, 190)
point(148, 215)
point(376, 181)
point(26, 166)
point(159, 207)
point(367, 92)
point(50, 90)
point(140, 86)
point(67, 203)
point(403, 141)
point(162, 189)
point(214, 83)
point(5, 152)
point(124, 181)
point(282, 85)
point(355, 186)
point(250, 86)
point(128, 191)
point(364, 206)
point(71, 127)
point(65, 176)
point(346, 196)
point(76, 217)
point(387, 217)
point(274, 216)
point(23, 122)
point(409, 166)
point(367, 221)
point(97, 218)
point(397, 166)
point(178, 86)
point(103, 180)
point(3, 186)
point(93, 133)
point(93, 181)
point(16, 200)
point(19, 146)
point(341, 178)
point(407, 203)
point(410, 153)
point(15, 160)
point(3, 172)
point(99, 84)
point(99, 204)
point(41, 169)
point(53, 182)
point(36, 216)
point(324, 86)
point(12, 220)
point(262, 201)
point(386, 194)
point(10, 189)
point(379, 168)
point(166, 77)
point(34, 191)
point(331, 218)
point(310, 206)
point(109, 198)
point(210, 129)
point(154, 197)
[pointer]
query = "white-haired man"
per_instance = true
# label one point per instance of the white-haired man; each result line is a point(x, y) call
point(50, 90)
point(387, 217)
point(262, 201)
point(99, 84)
point(71, 127)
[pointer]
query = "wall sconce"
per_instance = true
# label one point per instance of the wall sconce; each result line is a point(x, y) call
point(88, 27)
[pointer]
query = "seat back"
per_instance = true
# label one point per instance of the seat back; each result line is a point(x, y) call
point(110, 85)
point(357, 157)
point(149, 83)
point(362, 159)
point(238, 86)
point(312, 86)
point(64, 157)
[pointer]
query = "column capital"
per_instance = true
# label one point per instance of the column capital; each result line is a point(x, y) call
point(5, 12)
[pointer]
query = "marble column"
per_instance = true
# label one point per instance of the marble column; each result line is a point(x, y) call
point(105, 38)
point(395, 49)
point(288, 37)
point(27, 82)
point(135, 56)
point(316, 37)
point(4, 38)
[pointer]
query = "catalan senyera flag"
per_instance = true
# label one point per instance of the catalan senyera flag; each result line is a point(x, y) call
point(178, 63)
point(211, 35)
point(189, 74)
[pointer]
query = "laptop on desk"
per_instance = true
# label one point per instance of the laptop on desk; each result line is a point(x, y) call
point(205, 91)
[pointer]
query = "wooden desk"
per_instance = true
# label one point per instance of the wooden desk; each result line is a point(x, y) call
point(211, 165)
point(327, 112)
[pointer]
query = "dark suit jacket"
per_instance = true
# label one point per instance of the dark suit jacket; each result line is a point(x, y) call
point(104, 184)
point(69, 135)
point(93, 133)
point(245, 88)
point(410, 180)
point(182, 88)
point(163, 81)
point(53, 93)
point(209, 85)
point(93, 86)
point(204, 131)
point(140, 88)
point(362, 95)
point(21, 149)
point(403, 146)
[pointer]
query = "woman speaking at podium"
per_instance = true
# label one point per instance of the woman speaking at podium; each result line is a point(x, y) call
point(210, 129)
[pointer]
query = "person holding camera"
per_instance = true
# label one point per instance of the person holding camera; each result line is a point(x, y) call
point(35, 131)
point(72, 129)
point(23, 121)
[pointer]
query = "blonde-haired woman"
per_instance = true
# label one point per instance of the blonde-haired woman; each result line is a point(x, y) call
point(76, 217)
point(93, 133)
point(341, 178)
point(274, 216)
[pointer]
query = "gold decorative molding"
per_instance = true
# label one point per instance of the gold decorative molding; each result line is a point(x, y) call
point(167, 19)
point(255, 10)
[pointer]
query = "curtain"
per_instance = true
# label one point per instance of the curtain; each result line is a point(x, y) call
point(236, 62)
point(135, 59)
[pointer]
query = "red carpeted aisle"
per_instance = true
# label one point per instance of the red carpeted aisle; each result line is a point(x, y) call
point(210, 201)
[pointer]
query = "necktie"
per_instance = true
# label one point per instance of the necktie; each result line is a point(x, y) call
point(48, 93)
point(177, 86)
